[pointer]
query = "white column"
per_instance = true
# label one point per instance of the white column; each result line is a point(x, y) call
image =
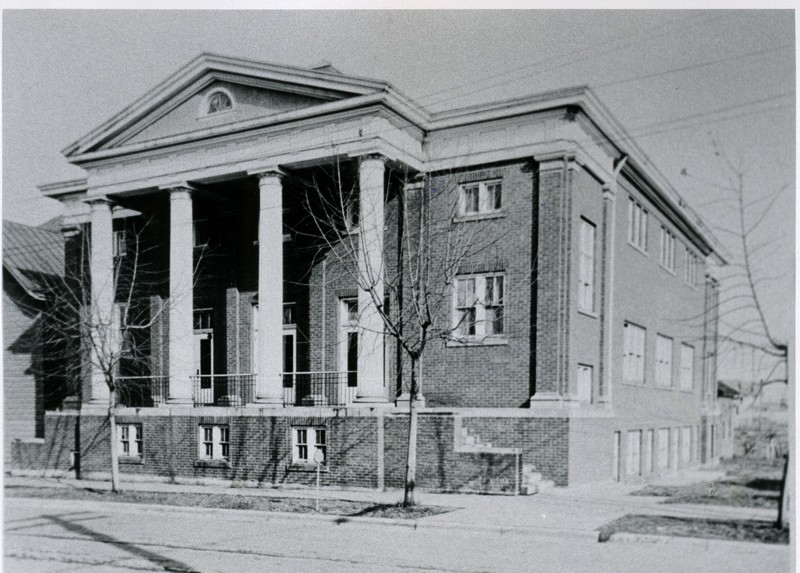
point(371, 387)
point(181, 265)
point(101, 268)
point(269, 388)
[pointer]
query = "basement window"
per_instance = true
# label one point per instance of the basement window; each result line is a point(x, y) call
point(306, 442)
point(130, 442)
point(214, 443)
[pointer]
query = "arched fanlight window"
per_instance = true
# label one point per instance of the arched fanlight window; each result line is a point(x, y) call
point(217, 102)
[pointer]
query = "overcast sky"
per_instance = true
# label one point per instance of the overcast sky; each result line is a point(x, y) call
point(676, 79)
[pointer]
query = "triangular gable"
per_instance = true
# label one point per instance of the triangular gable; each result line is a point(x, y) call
point(176, 106)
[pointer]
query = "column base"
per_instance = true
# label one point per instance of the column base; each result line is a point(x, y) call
point(267, 402)
point(375, 400)
point(402, 400)
point(96, 405)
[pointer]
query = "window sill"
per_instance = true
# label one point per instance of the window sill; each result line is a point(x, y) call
point(131, 460)
point(639, 249)
point(669, 270)
point(216, 114)
point(589, 313)
point(225, 464)
point(307, 467)
point(478, 217)
point(488, 341)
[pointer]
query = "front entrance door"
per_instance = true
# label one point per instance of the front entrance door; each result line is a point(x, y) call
point(348, 347)
point(204, 367)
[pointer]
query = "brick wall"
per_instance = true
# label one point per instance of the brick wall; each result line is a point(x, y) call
point(23, 415)
point(260, 449)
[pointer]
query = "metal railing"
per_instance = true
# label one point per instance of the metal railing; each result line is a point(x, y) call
point(142, 391)
point(231, 390)
point(319, 388)
point(223, 389)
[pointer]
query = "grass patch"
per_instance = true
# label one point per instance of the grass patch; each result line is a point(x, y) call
point(747, 483)
point(338, 507)
point(723, 492)
point(725, 529)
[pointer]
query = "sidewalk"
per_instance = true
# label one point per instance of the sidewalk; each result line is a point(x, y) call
point(571, 511)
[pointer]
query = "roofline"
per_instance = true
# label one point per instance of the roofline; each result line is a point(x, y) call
point(59, 188)
point(371, 92)
point(206, 62)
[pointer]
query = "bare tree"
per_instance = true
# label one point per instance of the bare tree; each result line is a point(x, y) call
point(741, 310)
point(112, 340)
point(428, 242)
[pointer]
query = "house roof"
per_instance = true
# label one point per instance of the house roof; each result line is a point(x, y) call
point(337, 92)
point(31, 255)
point(725, 391)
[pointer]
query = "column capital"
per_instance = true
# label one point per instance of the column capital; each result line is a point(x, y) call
point(101, 201)
point(372, 157)
point(609, 192)
point(268, 173)
point(178, 188)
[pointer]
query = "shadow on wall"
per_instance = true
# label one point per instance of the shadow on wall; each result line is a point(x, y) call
point(53, 454)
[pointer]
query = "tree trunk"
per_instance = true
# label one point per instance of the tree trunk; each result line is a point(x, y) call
point(779, 522)
point(411, 462)
point(112, 425)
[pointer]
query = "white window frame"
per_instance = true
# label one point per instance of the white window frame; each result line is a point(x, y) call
point(480, 306)
point(487, 199)
point(663, 448)
point(687, 367)
point(664, 350)
point(585, 383)
point(206, 104)
point(213, 442)
point(130, 440)
point(586, 265)
point(637, 225)
point(633, 463)
point(304, 448)
point(686, 445)
point(634, 353)
point(667, 249)
point(119, 245)
point(692, 266)
point(674, 448)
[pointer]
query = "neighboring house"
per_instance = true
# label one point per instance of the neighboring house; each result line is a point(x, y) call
point(33, 262)
point(761, 418)
point(583, 339)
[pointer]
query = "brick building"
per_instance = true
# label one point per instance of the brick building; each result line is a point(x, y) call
point(265, 205)
point(33, 260)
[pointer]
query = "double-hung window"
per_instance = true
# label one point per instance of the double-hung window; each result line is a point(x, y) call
point(586, 267)
point(667, 249)
point(687, 367)
point(692, 266)
point(663, 361)
point(633, 354)
point(214, 443)
point(130, 442)
point(306, 442)
point(637, 225)
point(480, 198)
point(479, 306)
point(119, 245)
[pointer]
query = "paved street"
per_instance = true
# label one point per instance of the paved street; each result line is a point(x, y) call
point(68, 536)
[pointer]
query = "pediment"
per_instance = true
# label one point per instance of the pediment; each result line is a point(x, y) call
point(192, 114)
point(179, 106)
